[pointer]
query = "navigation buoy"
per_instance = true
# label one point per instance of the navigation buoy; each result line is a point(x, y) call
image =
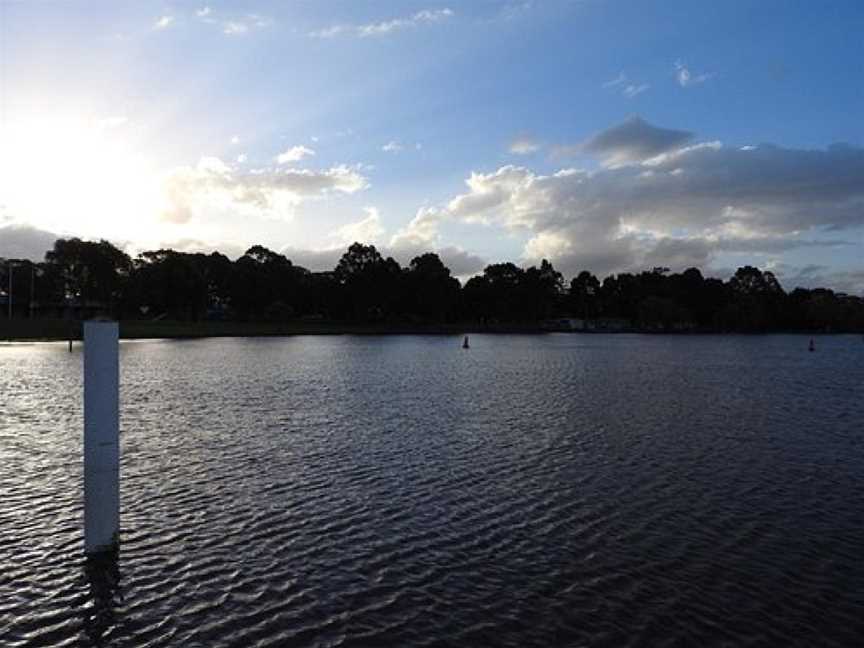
point(465, 343)
point(812, 346)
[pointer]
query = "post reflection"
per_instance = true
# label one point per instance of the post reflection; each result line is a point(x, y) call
point(102, 574)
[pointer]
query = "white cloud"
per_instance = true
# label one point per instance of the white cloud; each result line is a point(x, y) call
point(392, 147)
point(623, 84)
point(461, 263)
point(245, 24)
point(547, 245)
point(386, 27)
point(294, 154)
point(418, 237)
point(235, 139)
point(235, 27)
point(631, 90)
point(621, 79)
point(233, 24)
point(368, 230)
point(242, 158)
point(212, 184)
point(421, 231)
point(232, 249)
point(524, 146)
point(665, 203)
point(686, 78)
point(163, 22)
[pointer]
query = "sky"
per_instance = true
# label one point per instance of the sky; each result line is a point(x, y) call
point(601, 135)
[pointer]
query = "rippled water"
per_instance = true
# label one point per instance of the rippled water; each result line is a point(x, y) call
point(557, 490)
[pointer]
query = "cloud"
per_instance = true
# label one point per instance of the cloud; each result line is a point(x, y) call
point(392, 147)
point(367, 230)
point(421, 230)
point(235, 27)
point(213, 184)
point(233, 24)
point(524, 146)
point(294, 154)
point(668, 204)
point(163, 22)
point(632, 89)
point(416, 238)
point(621, 79)
point(426, 16)
point(231, 249)
point(19, 241)
point(686, 78)
point(321, 260)
point(461, 263)
point(850, 282)
point(625, 86)
point(635, 140)
point(421, 235)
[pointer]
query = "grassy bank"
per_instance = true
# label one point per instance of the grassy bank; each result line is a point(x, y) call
point(57, 329)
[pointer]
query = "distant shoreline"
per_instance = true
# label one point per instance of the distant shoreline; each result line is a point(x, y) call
point(27, 330)
point(58, 330)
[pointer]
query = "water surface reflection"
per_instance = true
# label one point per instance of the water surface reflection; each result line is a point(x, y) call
point(533, 490)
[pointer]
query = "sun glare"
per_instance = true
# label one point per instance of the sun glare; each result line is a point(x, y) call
point(68, 174)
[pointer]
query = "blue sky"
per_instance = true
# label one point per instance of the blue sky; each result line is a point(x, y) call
point(611, 136)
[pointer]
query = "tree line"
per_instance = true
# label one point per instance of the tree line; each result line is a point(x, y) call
point(78, 277)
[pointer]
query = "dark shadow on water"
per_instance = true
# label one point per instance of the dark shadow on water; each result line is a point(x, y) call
point(102, 574)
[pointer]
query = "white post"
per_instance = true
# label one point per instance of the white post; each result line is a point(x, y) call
point(101, 437)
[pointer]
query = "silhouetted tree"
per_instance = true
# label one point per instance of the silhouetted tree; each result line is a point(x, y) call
point(88, 271)
point(541, 292)
point(168, 283)
point(373, 283)
point(431, 293)
point(366, 287)
point(585, 295)
point(266, 285)
point(756, 300)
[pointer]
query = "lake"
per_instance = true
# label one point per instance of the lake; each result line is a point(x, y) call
point(549, 490)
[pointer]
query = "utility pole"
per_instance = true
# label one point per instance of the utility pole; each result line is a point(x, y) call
point(9, 292)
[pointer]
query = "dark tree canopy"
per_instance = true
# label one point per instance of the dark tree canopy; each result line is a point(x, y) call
point(81, 277)
point(88, 270)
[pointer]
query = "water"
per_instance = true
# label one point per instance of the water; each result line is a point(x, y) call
point(557, 490)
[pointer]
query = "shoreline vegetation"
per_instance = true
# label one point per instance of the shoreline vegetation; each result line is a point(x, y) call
point(169, 294)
